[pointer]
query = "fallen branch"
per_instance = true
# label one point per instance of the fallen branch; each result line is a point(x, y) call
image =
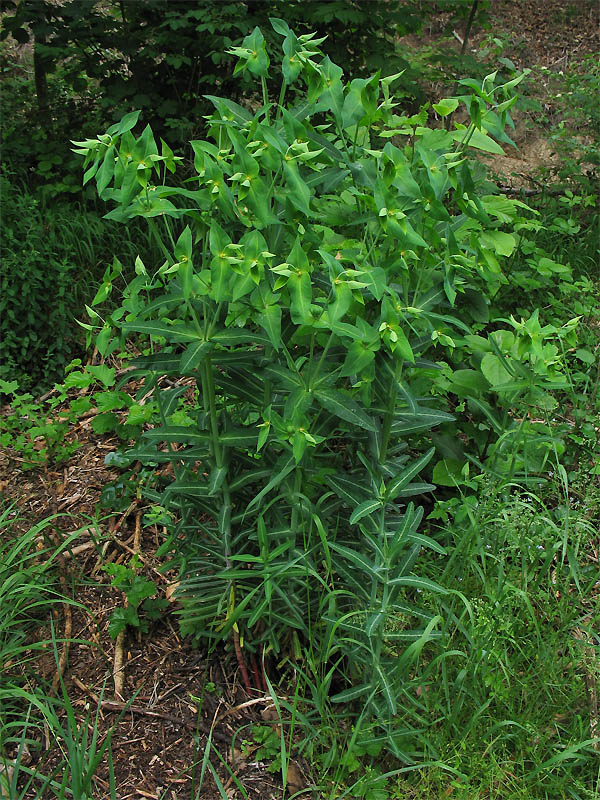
point(138, 534)
point(529, 192)
point(119, 664)
point(62, 661)
point(81, 548)
point(255, 701)
point(115, 706)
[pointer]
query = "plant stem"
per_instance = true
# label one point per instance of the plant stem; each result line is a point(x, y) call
point(154, 231)
point(209, 398)
point(265, 94)
point(388, 417)
point(280, 101)
point(468, 27)
point(297, 487)
point(320, 364)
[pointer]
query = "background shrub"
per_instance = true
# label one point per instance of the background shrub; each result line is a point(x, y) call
point(50, 259)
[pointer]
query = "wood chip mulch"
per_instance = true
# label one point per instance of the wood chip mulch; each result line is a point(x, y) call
point(181, 695)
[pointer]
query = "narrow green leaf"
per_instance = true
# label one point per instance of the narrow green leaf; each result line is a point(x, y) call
point(282, 468)
point(300, 288)
point(215, 481)
point(106, 171)
point(414, 489)
point(177, 333)
point(164, 363)
point(418, 583)
point(374, 622)
point(344, 407)
point(348, 489)
point(358, 559)
point(188, 488)
point(357, 359)
point(239, 437)
point(368, 507)
point(352, 693)
point(269, 319)
point(408, 423)
point(387, 689)
point(405, 477)
point(183, 247)
point(176, 433)
point(299, 193)
point(427, 541)
point(193, 355)
point(234, 336)
point(298, 403)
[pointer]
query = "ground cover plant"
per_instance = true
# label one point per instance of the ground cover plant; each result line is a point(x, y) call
point(365, 422)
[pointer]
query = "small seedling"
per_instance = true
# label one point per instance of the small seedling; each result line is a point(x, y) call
point(142, 605)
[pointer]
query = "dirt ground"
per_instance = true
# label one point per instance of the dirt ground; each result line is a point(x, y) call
point(183, 696)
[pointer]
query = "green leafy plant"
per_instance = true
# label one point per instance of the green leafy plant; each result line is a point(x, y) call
point(321, 261)
point(49, 258)
point(32, 429)
point(575, 131)
point(140, 593)
point(36, 339)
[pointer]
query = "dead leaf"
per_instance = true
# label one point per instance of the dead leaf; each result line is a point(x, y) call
point(296, 781)
point(170, 591)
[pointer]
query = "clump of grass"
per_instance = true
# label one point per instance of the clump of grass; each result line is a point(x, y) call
point(30, 590)
point(508, 709)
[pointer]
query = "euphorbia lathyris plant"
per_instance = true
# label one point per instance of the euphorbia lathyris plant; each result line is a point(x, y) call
point(318, 263)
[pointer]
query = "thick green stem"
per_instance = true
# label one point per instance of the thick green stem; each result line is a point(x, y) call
point(320, 364)
point(388, 417)
point(280, 101)
point(168, 227)
point(265, 94)
point(211, 408)
point(295, 512)
point(466, 138)
point(154, 231)
point(208, 393)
